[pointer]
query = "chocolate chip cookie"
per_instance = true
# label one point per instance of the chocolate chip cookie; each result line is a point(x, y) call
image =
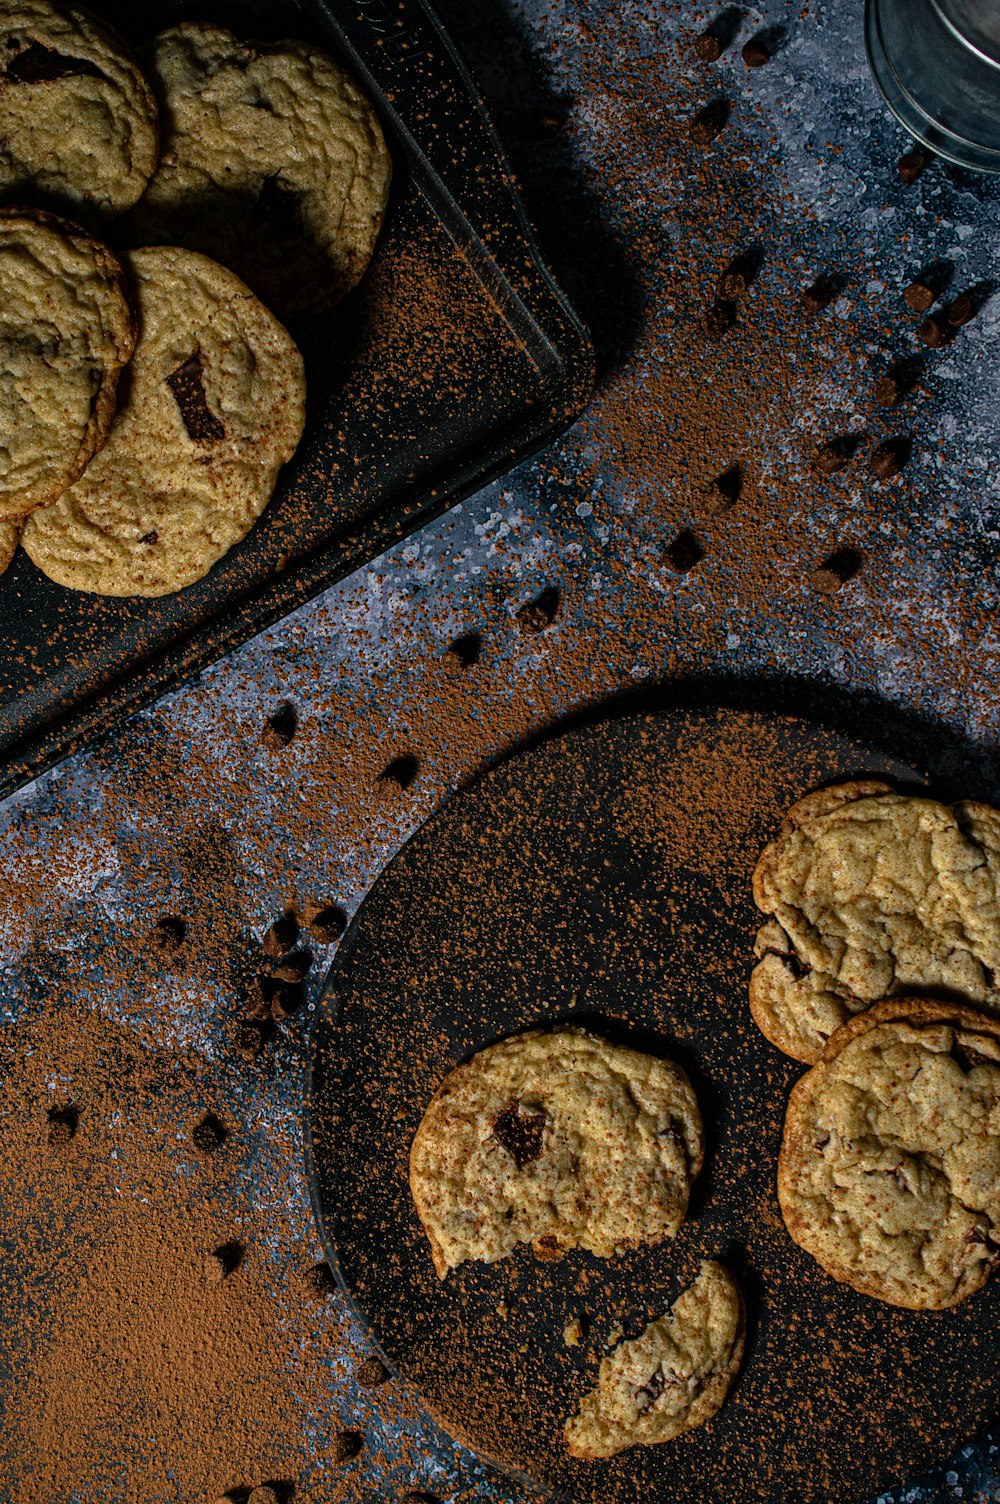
point(66, 331)
point(671, 1379)
point(557, 1139)
point(872, 893)
point(889, 1172)
point(78, 121)
point(215, 406)
point(273, 162)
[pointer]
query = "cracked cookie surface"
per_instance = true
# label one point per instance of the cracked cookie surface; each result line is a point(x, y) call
point(78, 121)
point(66, 331)
point(215, 406)
point(675, 1376)
point(870, 894)
point(889, 1171)
point(558, 1139)
point(273, 162)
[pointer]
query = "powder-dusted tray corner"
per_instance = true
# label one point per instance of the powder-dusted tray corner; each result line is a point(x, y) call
point(603, 877)
point(456, 357)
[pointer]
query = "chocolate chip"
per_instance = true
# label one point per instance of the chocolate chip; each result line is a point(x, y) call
point(961, 311)
point(707, 46)
point(821, 293)
point(724, 492)
point(919, 297)
point(251, 1038)
point(318, 1280)
point(911, 165)
point(732, 284)
point(294, 968)
point(258, 1004)
point(346, 1445)
point(934, 331)
point(888, 391)
point(840, 567)
point(371, 1373)
point(222, 1262)
point(535, 615)
point(38, 64)
point(685, 552)
point(719, 319)
point(150, 538)
point(62, 1125)
point(188, 386)
point(167, 935)
point(285, 1001)
point(281, 935)
point(415, 1496)
point(835, 453)
point(263, 1494)
point(463, 653)
point(280, 727)
point(401, 771)
point(208, 1134)
point(327, 924)
point(755, 53)
point(520, 1133)
point(889, 457)
point(709, 121)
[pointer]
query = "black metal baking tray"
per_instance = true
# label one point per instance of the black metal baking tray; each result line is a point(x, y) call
point(602, 878)
point(456, 357)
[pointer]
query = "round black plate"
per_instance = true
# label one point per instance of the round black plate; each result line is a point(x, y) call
point(604, 877)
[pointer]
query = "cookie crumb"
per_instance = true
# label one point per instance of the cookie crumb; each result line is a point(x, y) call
point(326, 923)
point(371, 1373)
point(208, 1134)
point(756, 53)
point(501, 1309)
point(463, 653)
point(910, 165)
point(840, 567)
point(346, 1445)
point(685, 552)
point(280, 727)
point(573, 1332)
point(918, 296)
point(167, 935)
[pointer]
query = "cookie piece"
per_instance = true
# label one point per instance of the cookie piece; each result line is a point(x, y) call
point(558, 1139)
point(671, 1379)
point(78, 121)
point(66, 331)
point(10, 537)
point(273, 162)
point(889, 1171)
point(215, 406)
point(873, 894)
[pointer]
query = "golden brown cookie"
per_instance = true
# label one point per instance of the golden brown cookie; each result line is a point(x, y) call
point(273, 162)
point(671, 1379)
point(870, 894)
point(889, 1172)
point(558, 1139)
point(66, 331)
point(215, 406)
point(78, 121)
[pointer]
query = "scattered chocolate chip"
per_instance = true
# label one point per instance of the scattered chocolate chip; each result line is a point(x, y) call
point(293, 968)
point(327, 924)
point(724, 492)
point(318, 1280)
point(685, 552)
point(934, 331)
point(371, 1373)
point(911, 165)
point(919, 297)
point(889, 457)
point(756, 53)
point(38, 64)
point(280, 727)
point(281, 936)
point(285, 1001)
point(401, 771)
point(835, 454)
point(732, 284)
point(719, 319)
point(961, 311)
point(840, 567)
point(821, 293)
point(709, 121)
point(257, 1007)
point(346, 1445)
point(62, 1125)
point(263, 1494)
point(167, 935)
point(534, 616)
point(222, 1262)
point(251, 1038)
point(188, 386)
point(208, 1134)
point(150, 538)
point(463, 653)
point(520, 1133)
point(888, 391)
point(707, 46)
